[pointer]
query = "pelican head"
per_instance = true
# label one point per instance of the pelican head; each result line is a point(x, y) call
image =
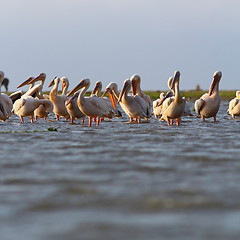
point(65, 83)
point(126, 87)
point(238, 94)
point(135, 79)
point(40, 77)
point(26, 82)
point(216, 79)
point(110, 88)
point(56, 79)
point(75, 96)
point(168, 94)
point(97, 88)
point(83, 83)
point(175, 80)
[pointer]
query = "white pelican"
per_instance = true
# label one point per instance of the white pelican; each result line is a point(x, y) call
point(187, 111)
point(42, 111)
point(58, 101)
point(234, 106)
point(110, 102)
point(5, 102)
point(93, 107)
point(26, 105)
point(157, 105)
point(208, 105)
point(176, 107)
point(71, 103)
point(113, 89)
point(133, 106)
point(73, 109)
point(136, 90)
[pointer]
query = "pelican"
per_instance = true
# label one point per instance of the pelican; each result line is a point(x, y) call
point(208, 105)
point(110, 103)
point(113, 89)
point(58, 101)
point(43, 110)
point(133, 106)
point(71, 103)
point(187, 111)
point(176, 107)
point(234, 106)
point(73, 109)
point(136, 90)
point(93, 107)
point(26, 105)
point(157, 105)
point(5, 102)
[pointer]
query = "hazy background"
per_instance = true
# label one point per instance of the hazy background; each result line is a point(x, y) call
point(110, 40)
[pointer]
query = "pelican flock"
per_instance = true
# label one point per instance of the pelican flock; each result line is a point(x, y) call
point(139, 107)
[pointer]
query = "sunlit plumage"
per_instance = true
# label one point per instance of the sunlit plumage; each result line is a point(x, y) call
point(234, 106)
point(58, 101)
point(93, 107)
point(176, 108)
point(208, 105)
point(5, 102)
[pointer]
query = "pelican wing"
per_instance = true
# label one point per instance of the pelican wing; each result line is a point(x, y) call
point(19, 104)
point(148, 100)
point(199, 104)
point(2, 109)
point(48, 105)
point(16, 95)
point(142, 103)
point(99, 103)
point(232, 104)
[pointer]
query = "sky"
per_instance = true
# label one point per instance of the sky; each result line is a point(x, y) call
point(110, 40)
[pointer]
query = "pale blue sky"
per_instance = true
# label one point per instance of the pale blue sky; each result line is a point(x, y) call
point(108, 41)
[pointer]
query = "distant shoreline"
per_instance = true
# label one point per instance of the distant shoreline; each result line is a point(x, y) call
point(193, 94)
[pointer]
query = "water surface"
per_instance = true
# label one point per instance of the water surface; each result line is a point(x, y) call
point(119, 180)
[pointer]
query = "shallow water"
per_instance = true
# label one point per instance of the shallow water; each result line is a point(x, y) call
point(120, 181)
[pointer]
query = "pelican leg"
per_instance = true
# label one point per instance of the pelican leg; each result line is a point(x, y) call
point(203, 118)
point(172, 121)
point(83, 121)
point(178, 121)
point(22, 119)
point(31, 119)
point(57, 117)
point(168, 121)
point(215, 118)
point(89, 121)
point(138, 120)
point(72, 120)
point(131, 120)
point(98, 121)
